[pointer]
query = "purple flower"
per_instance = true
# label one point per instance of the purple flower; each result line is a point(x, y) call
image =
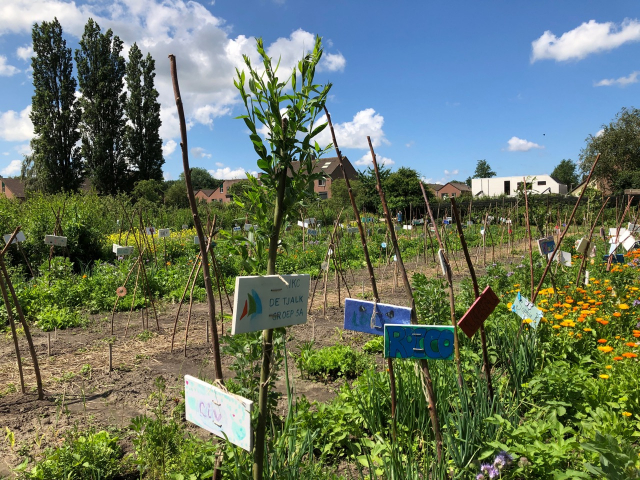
point(635, 304)
point(484, 468)
point(637, 324)
point(493, 472)
point(503, 459)
point(509, 274)
point(480, 476)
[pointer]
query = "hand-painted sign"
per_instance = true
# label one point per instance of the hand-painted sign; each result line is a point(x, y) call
point(271, 301)
point(525, 309)
point(563, 258)
point(359, 317)
point(219, 412)
point(18, 238)
point(150, 230)
point(121, 251)
point(407, 227)
point(164, 233)
point(479, 311)
point(55, 240)
point(311, 231)
point(619, 258)
point(433, 342)
point(546, 245)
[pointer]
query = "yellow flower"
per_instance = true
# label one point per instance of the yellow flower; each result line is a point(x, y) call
point(604, 376)
point(627, 414)
point(624, 306)
point(526, 320)
point(84, 276)
point(606, 349)
point(608, 367)
point(509, 305)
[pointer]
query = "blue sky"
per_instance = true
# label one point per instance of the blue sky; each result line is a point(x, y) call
point(437, 85)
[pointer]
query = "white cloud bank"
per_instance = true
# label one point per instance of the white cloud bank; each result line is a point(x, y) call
point(25, 53)
point(12, 169)
point(226, 173)
point(206, 52)
point(590, 37)
point(7, 70)
point(365, 161)
point(619, 82)
point(521, 145)
point(354, 134)
point(16, 127)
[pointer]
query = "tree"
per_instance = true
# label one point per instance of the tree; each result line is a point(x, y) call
point(565, 172)
point(483, 170)
point(150, 190)
point(143, 142)
point(201, 179)
point(619, 146)
point(340, 194)
point(55, 163)
point(402, 190)
point(101, 71)
point(288, 109)
point(368, 199)
point(237, 189)
point(176, 195)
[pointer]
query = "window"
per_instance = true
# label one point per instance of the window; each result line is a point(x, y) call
point(542, 182)
point(453, 195)
point(322, 195)
point(507, 187)
point(222, 188)
point(322, 182)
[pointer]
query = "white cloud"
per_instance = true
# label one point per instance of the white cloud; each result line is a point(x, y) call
point(219, 164)
point(410, 144)
point(167, 176)
point(599, 132)
point(590, 37)
point(354, 134)
point(24, 149)
point(442, 181)
point(454, 172)
point(206, 54)
point(7, 70)
point(16, 127)
point(227, 173)
point(199, 152)
point(168, 148)
point(620, 82)
point(521, 145)
point(12, 169)
point(365, 160)
point(25, 53)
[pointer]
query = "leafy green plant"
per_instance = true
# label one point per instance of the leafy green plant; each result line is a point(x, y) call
point(334, 361)
point(617, 462)
point(376, 345)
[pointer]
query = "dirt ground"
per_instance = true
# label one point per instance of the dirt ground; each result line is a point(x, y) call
point(81, 391)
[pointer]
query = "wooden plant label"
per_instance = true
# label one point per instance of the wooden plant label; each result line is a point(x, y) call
point(479, 311)
point(629, 243)
point(150, 230)
point(581, 246)
point(358, 316)
point(352, 229)
point(546, 245)
point(525, 309)
point(563, 258)
point(164, 233)
point(432, 342)
point(56, 241)
point(122, 251)
point(272, 301)
point(18, 238)
point(218, 412)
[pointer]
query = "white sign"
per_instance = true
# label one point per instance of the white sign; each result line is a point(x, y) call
point(121, 251)
point(196, 240)
point(482, 231)
point(564, 258)
point(218, 412)
point(633, 227)
point(629, 243)
point(407, 227)
point(18, 238)
point(55, 240)
point(613, 247)
point(443, 263)
point(185, 227)
point(150, 230)
point(164, 233)
point(272, 301)
point(586, 277)
point(581, 246)
point(352, 229)
point(248, 227)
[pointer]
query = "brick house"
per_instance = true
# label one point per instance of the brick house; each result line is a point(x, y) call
point(332, 171)
point(12, 188)
point(220, 194)
point(452, 190)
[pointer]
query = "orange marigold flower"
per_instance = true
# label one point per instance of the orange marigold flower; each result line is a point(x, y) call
point(629, 355)
point(623, 306)
point(630, 344)
point(602, 340)
point(617, 358)
point(605, 349)
point(588, 330)
point(616, 314)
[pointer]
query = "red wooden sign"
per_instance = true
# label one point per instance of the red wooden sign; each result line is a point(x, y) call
point(484, 305)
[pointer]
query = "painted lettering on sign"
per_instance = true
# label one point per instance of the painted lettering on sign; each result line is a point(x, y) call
point(219, 412)
point(546, 245)
point(55, 240)
point(18, 238)
point(358, 316)
point(484, 306)
point(150, 230)
point(526, 310)
point(164, 233)
point(432, 342)
point(271, 301)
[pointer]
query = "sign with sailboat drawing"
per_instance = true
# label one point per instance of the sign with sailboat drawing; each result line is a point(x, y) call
point(272, 301)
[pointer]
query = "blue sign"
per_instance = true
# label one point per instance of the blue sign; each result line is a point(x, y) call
point(358, 316)
point(432, 342)
point(618, 258)
point(383, 244)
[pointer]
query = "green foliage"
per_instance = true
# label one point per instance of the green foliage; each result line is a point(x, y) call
point(402, 189)
point(53, 316)
point(565, 172)
point(432, 302)
point(201, 179)
point(56, 164)
point(374, 346)
point(333, 361)
point(483, 170)
point(86, 456)
point(617, 462)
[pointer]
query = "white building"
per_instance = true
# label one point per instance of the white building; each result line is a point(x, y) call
point(537, 184)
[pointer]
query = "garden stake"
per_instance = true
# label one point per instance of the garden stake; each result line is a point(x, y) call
point(133, 302)
point(526, 217)
point(12, 323)
point(196, 264)
point(544, 274)
point(113, 313)
point(435, 424)
point(23, 321)
point(196, 221)
point(476, 291)
point(372, 277)
point(186, 329)
point(588, 249)
point(624, 214)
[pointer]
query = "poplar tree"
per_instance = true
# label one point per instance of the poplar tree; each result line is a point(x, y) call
point(144, 145)
point(55, 163)
point(101, 71)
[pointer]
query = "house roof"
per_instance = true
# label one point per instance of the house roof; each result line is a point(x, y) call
point(206, 192)
point(434, 186)
point(463, 187)
point(331, 167)
point(15, 185)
